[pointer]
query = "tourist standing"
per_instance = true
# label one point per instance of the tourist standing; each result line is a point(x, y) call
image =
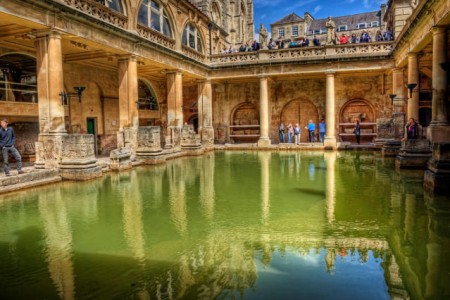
point(322, 130)
point(297, 132)
point(357, 132)
point(7, 141)
point(412, 129)
point(281, 132)
point(311, 130)
point(290, 132)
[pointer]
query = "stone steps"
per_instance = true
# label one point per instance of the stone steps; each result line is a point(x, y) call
point(31, 178)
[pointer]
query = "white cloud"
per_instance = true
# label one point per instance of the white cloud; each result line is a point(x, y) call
point(317, 9)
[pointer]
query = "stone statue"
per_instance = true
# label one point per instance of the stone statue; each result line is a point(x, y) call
point(263, 36)
point(331, 33)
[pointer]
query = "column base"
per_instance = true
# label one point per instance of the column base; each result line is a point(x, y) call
point(120, 159)
point(264, 142)
point(438, 133)
point(330, 143)
point(208, 137)
point(437, 177)
point(48, 150)
point(391, 148)
point(414, 154)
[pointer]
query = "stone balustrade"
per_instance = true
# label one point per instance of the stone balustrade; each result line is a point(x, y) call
point(155, 36)
point(305, 53)
point(189, 52)
point(98, 10)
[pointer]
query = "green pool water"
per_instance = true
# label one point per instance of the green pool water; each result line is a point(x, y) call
point(230, 225)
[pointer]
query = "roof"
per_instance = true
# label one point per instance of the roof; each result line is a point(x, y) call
point(292, 18)
point(351, 21)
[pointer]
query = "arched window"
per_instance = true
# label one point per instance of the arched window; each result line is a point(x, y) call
point(152, 14)
point(113, 4)
point(191, 38)
point(215, 13)
point(146, 97)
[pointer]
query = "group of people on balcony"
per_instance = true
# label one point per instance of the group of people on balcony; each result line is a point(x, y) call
point(364, 37)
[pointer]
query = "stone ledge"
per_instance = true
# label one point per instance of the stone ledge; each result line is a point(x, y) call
point(28, 180)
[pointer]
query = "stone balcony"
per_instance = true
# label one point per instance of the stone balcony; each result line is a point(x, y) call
point(321, 53)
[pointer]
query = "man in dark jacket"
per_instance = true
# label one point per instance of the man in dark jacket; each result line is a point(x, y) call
point(7, 141)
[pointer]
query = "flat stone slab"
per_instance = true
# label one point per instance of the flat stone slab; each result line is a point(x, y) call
point(31, 178)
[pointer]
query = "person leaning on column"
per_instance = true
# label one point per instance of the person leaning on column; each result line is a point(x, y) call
point(7, 141)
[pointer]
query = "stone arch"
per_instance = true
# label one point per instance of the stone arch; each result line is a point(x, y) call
point(18, 77)
point(150, 93)
point(245, 113)
point(357, 109)
point(300, 111)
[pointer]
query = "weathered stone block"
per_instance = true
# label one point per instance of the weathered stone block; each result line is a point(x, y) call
point(391, 147)
point(438, 134)
point(120, 159)
point(48, 151)
point(189, 139)
point(413, 154)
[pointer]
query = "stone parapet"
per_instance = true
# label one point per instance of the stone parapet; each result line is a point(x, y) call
point(78, 161)
point(413, 154)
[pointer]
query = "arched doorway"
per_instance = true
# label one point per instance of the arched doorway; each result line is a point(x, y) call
point(245, 123)
point(361, 110)
point(300, 111)
point(193, 120)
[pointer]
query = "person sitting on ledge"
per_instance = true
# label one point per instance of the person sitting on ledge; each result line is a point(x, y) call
point(412, 129)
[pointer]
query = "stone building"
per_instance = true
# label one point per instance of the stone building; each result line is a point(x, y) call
point(83, 78)
point(293, 27)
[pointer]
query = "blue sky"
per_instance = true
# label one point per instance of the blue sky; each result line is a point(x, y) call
point(270, 11)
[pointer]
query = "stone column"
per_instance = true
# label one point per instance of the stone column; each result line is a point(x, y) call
point(439, 130)
point(50, 86)
point(413, 77)
point(330, 138)
point(205, 127)
point(264, 140)
point(128, 92)
point(128, 97)
point(174, 109)
point(50, 83)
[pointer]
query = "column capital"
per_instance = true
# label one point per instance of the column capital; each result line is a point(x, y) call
point(330, 72)
point(176, 72)
point(53, 33)
point(413, 54)
point(264, 76)
point(204, 80)
point(438, 29)
point(398, 70)
point(125, 57)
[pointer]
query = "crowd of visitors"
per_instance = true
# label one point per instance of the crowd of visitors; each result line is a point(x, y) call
point(291, 133)
point(343, 39)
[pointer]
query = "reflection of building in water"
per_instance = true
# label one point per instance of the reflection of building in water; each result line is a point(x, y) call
point(264, 159)
point(330, 259)
point(207, 193)
point(177, 195)
point(330, 159)
point(132, 216)
point(58, 241)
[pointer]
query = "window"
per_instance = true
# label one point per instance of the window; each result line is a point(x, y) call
point(112, 4)
point(374, 23)
point(146, 97)
point(281, 32)
point(317, 31)
point(191, 38)
point(151, 14)
point(295, 30)
point(342, 28)
point(361, 25)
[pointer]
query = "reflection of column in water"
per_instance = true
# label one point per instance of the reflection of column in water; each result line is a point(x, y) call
point(410, 217)
point(264, 160)
point(311, 170)
point(132, 217)
point(298, 163)
point(177, 196)
point(155, 184)
point(434, 251)
point(58, 240)
point(207, 185)
point(185, 277)
point(88, 208)
point(330, 160)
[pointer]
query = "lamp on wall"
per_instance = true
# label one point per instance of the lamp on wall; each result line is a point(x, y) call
point(410, 87)
point(392, 96)
point(79, 92)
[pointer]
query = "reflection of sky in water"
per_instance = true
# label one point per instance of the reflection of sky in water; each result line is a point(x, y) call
point(293, 275)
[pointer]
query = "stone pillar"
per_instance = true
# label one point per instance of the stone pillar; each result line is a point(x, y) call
point(413, 77)
point(439, 130)
point(330, 138)
point(205, 127)
point(174, 109)
point(50, 86)
point(50, 83)
point(128, 92)
point(264, 140)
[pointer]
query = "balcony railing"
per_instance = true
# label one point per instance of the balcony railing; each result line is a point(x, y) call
point(305, 53)
point(98, 10)
point(155, 36)
point(189, 52)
